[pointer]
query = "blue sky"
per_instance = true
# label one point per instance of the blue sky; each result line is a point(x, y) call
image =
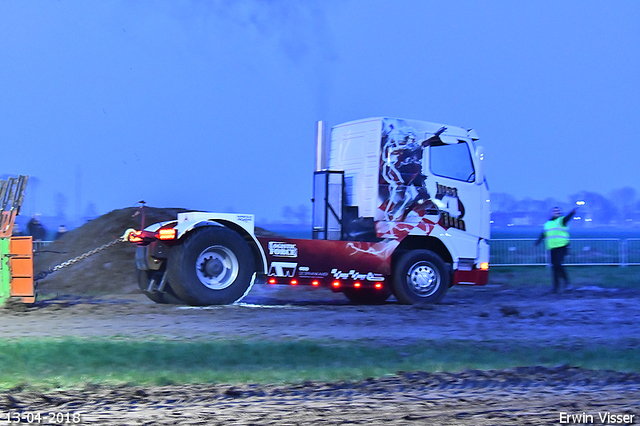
point(211, 105)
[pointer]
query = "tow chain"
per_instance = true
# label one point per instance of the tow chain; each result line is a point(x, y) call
point(83, 256)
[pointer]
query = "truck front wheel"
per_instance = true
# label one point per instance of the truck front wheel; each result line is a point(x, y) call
point(420, 276)
point(213, 266)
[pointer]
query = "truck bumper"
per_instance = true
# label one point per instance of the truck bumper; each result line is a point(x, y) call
point(473, 277)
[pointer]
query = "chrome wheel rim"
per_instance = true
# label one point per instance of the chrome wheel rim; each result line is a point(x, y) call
point(217, 267)
point(423, 279)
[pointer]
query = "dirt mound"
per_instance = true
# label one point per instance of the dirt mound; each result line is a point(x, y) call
point(109, 271)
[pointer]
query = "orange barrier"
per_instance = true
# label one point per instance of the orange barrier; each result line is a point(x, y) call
point(21, 266)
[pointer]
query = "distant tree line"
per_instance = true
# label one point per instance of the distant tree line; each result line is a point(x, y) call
point(621, 207)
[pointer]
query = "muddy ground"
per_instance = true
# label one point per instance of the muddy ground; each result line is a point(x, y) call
point(533, 395)
point(100, 298)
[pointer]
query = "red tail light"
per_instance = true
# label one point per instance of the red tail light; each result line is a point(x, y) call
point(272, 280)
point(357, 285)
point(336, 284)
point(294, 282)
point(315, 283)
point(378, 286)
point(167, 234)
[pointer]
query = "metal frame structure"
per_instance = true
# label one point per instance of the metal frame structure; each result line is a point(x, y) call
point(16, 252)
point(328, 204)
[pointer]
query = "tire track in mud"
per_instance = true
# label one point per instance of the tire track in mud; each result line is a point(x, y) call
point(521, 396)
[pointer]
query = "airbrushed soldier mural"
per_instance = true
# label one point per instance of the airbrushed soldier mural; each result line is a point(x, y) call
point(402, 173)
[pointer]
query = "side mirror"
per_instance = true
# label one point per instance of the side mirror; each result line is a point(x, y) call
point(479, 165)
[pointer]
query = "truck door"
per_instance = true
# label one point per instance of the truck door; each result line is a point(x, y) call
point(452, 180)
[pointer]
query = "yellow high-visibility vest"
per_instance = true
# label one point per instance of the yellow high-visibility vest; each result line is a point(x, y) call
point(556, 234)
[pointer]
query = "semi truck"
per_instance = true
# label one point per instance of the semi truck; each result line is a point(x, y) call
point(400, 207)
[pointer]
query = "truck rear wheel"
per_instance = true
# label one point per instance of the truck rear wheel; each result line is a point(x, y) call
point(213, 266)
point(420, 276)
point(366, 296)
point(165, 297)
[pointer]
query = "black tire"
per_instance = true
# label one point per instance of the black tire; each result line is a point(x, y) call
point(420, 276)
point(167, 297)
point(366, 296)
point(213, 266)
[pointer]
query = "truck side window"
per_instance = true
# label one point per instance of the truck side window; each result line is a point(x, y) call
point(452, 161)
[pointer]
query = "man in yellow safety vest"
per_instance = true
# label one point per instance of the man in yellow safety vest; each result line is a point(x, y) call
point(556, 236)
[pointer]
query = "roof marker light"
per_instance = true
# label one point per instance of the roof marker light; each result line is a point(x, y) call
point(357, 285)
point(294, 282)
point(272, 280)
point(484, 266)
point(378, 285)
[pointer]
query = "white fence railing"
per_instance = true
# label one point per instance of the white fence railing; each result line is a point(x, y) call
point(582, 251)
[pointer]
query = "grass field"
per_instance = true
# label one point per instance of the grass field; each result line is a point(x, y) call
point(68, 363)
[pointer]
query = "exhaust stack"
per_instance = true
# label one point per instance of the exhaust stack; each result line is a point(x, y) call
point(321, 146)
